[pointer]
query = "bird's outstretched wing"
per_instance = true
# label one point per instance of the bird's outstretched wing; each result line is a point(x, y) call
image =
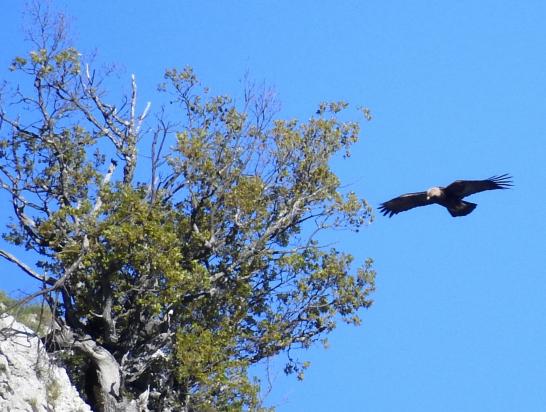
point(403, 203)
point(462, 188)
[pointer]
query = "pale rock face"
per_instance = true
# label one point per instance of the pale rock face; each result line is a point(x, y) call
point(29, 381)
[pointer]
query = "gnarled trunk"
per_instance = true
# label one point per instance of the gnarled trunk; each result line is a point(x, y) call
point(105, 393)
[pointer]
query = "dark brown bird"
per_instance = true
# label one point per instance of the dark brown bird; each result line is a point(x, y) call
point(451, 197)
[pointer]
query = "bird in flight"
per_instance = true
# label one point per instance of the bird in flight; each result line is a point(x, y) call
point(450, 197)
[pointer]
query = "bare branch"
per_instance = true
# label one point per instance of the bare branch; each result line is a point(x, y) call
point(42, 278)
point(105, 181)
point(142, 117)
point(57, 283)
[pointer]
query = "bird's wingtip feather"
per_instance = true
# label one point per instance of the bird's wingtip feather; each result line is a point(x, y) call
point(503, 181)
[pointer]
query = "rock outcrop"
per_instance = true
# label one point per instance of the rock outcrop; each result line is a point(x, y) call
point(29, 380)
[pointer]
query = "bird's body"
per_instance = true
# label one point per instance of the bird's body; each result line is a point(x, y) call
point(450, 197)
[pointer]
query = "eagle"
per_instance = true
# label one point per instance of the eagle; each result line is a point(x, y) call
point(450, 197)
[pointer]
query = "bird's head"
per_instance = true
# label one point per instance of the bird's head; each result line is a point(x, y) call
point(434, 192)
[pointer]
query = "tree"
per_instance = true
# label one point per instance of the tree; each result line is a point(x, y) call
point(169, 273)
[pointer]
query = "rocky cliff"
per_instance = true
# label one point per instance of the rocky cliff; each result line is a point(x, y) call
point(29, 381)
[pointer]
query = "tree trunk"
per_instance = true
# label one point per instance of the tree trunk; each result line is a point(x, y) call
point(106, 394)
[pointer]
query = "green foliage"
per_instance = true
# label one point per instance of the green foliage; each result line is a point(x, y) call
point(208, 364)
point(209, 265)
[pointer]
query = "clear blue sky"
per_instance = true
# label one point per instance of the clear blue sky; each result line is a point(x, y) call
point(457, 90)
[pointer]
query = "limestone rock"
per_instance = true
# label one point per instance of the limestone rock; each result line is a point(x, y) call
point(29, 381)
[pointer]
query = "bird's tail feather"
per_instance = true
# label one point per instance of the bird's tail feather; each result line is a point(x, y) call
point(462, 208)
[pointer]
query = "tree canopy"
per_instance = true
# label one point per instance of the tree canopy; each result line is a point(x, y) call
point(175, 247)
